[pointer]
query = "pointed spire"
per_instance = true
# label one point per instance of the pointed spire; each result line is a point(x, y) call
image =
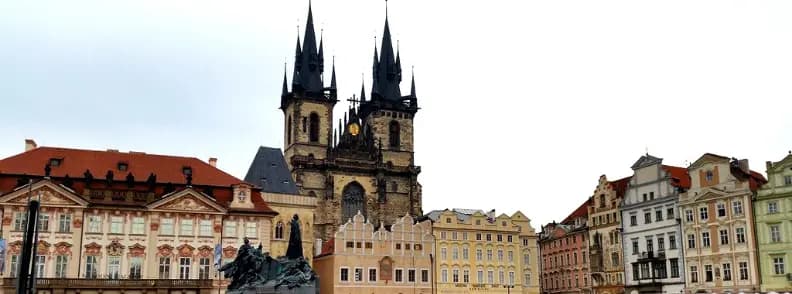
point(387, 72)
point(308, 63)
point(285, 89)
point(321, 50)
point(412, 83)
point(332, 77)
point(363, 91)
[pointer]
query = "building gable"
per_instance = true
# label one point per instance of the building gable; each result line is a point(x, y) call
point(49, 193)
point(187, 200)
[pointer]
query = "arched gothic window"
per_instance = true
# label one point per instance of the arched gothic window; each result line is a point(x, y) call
point(279, 230)
point(394, 133)
point(314, 127)
point(353, 200)
point(289, 130)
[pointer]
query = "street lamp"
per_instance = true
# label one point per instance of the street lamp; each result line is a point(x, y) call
point(508, 288)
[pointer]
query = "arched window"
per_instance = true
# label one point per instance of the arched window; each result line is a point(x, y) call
point(394, 133)
point(289, 130)
point(312, 194)
point(314, 127)
point(279, 230)
point(353, 200)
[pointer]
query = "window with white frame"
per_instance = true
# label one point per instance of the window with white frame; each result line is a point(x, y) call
point(455, 275)
point(279, 230)
point(43, 223)
point(14, 266)
point(425, 276)
point(203, 268)
point(138, 225)
point(454, 253)
point(251, 230)
point(500, 255)
point(444, 275)
point(344, 274)
point(205, 229)
point(61, 263)
point(490, 277)
point(693, 274)
point(691, 241)
point(186, 227)
point(41, 265)
point(465, 276)
point(358, 274)
point(64, 223)
point(113, 267)
point(501, 277)
point(443, 253)
point(787, 180)
point(135, 267)
point(116, 225)
point(166, 226)
point(91, 271)
point(724, 236)
point(480, 276)
point(705, 239)
point(778, 265)
point(184, 267)
point(737, 208)
point(689, 215)
point(703, 213)
point(527, 259)
point(727, 276)
point(411, 275)
point(672, 241)
point(94, 224)
point(20, 221)
point(775, 233)
point(479, 254)
point(164, 267)
point(465, 253)
point(510, 256)
point(399, 275)
point(230, 229)
point(721, 208)
point(740, 235)
point(772, 207)
point(372, 275)
point(743, 271)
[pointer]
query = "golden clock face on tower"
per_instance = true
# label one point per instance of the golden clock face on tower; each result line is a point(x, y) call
point(354, 129)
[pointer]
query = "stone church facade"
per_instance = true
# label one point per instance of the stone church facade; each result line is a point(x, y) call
point(365, 163)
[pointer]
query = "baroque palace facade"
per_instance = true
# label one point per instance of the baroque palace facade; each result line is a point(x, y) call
point(118, 222)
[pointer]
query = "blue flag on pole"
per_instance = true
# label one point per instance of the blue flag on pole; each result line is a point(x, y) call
point(218, 254)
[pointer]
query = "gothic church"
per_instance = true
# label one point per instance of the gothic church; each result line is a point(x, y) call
point(366, 162)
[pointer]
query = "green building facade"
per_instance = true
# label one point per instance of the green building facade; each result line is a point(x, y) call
point(773, 211)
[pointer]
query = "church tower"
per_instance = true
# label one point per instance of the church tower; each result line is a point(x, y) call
point(308, 108)
point(366, 163)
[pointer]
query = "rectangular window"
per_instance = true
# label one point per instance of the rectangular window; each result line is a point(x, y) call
point(740, 235)
point(454, 236)
point(464, 236)
point(465, 276)
point(743, 271)
point(358, 274)
point(636, 272)
point(186, 227)
point(509, 238)
point(635, 249)
point(205, 228)
point(649, 244)
point(344, 275)
point(691, 241)
point(43, 223)
point(454, 253)
point(442, 235)
point(694, 274)
point(478, 236)
point(444, 276)
point(644, 270)
point(465, 253)
point(658, 215)
point(778, 265)
point(647, 217)
point(61, 262)
point(510, 256)
point(727, 272)
point(724, 236)
point(670, 213)
point(478, 254)
point(91, 271)
point(737, 208)
point(455, 276)
point(372, 277)
point(64, 223)
point(633, 220)
point(511, 278)
point(688, 216)
point(775, 234)
point(14, 266)
point(203, 268)
point(772, 207)
point(480, 276)
point(489, 254)
point(138, 226)
point(526, 259)
point(94, 224)
point(705, 239)
point(166, 226)
point(708, 275)
point(41, 264)
point(674, 267)
point(489, 237)
point(135, 267)
point(500, 255)
point(787, 180)
point(703, 213)
point(660, 243)
point(20, 221)
point(399, 277)
point(672, 241)
point(443, 252)
point(424, 276)
point(721, 209)
point(499, 237)
point(164, 267)
point(501, 277)
point(615, 259)
point(230, 229)
point(113, 267)
point(490, 277)
point(251, 230)
point(116, 225)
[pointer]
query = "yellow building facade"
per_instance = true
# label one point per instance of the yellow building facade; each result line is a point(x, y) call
point(362, 259)
point(480, 253)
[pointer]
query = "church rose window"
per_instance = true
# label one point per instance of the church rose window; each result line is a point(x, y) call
point(353, 201)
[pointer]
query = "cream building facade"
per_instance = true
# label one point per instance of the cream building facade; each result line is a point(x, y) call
point(478, 252)
point(717, 226)
point(364, 259)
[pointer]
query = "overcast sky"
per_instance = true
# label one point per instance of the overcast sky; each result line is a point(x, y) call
point(524, 103)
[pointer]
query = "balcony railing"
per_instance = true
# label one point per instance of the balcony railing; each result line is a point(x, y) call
point(46, 283)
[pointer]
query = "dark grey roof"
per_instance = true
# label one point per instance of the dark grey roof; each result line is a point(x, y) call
point(269, 171)
point(646, 160)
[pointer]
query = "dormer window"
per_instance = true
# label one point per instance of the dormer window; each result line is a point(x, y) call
point(242, 195)
point(187, 170)
point(709, 175)
point(53, 162)
point(123, 166)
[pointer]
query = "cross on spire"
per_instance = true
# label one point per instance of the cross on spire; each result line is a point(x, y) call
point(354, 101)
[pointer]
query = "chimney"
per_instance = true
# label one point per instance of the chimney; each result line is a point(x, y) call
point(743, 164)
point(213, 161)
point(30, 145)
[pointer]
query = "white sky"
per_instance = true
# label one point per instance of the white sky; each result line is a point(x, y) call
point(524, 103)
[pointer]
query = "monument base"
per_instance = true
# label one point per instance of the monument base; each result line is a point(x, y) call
point(305, 289)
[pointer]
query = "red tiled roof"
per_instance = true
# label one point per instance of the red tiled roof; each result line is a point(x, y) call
point(328, 247)
point(679, 176)
point(756, 181)
point(75, 162)
point(581, 211)
point(620, 186)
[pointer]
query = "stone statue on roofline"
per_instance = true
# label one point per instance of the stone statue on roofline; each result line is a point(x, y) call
point(254, 271)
